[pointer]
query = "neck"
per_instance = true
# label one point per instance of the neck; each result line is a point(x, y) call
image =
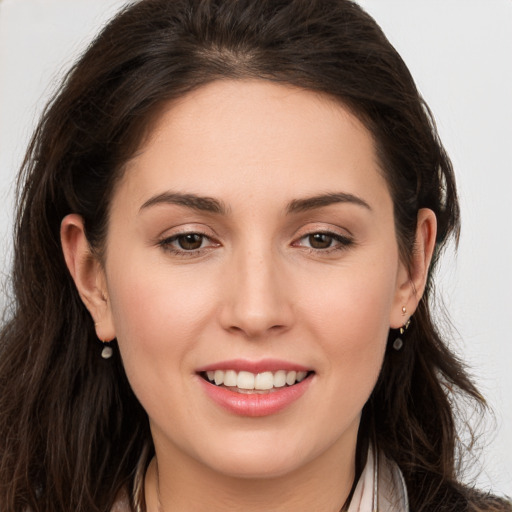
point(185, 486)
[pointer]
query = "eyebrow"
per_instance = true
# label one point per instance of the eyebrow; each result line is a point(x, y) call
point(193, 201)
point(311, 203)
point(212, 205)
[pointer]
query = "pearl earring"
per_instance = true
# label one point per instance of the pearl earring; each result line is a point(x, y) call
point(107, 351)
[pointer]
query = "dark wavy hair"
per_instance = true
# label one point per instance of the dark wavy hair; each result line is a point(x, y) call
point(65, 442)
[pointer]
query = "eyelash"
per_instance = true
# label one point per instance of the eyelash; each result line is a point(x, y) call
point(337, 243)
point(340, 242)
point(167, 244)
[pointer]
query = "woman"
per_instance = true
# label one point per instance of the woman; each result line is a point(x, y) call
point(228, 222)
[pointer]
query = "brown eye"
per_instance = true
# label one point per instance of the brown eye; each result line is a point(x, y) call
point(190, 242)
point(320, 241)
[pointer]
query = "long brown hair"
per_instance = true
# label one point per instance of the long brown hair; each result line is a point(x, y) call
point(71, 429)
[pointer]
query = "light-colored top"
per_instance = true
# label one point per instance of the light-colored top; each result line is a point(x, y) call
point(381, 488)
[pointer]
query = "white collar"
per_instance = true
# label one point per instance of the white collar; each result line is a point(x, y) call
point(381, 487)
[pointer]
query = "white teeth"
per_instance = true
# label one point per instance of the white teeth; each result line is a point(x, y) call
point(250, 381)
point(230, 378)
point(301, 376)
point(219, 377)
point(279, 379)
point(291, 377)
point(245, 380)
point(264, 380)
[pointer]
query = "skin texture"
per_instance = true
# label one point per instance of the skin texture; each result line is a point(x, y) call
point(255, 289)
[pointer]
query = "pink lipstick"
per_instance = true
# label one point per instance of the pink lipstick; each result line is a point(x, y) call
point(254, 388)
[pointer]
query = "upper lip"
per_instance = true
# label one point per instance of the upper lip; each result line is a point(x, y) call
point(260, 366)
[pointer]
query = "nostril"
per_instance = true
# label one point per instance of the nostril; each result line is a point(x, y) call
point(256, 332)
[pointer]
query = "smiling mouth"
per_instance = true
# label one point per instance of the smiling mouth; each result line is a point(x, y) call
point(247, 382)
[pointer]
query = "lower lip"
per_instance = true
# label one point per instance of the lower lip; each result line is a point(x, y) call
point(257, 404)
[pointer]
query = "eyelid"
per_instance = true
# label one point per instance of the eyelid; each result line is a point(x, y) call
point(343, 238)
point(326, 228)
point(166, 240)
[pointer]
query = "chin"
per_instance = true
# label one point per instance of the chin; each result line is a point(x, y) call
point(259, 457)
point(258, 467)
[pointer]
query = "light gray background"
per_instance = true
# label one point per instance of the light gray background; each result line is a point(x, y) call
point(460, 53)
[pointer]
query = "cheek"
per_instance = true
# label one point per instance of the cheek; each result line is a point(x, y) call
point(157, 327)
point(349, 316)
point(149, 303)
point(352, 301)
point(351, 326)
point(157, 322)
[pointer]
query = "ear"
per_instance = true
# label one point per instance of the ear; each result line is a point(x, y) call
point(412, 281)
point(88, 275)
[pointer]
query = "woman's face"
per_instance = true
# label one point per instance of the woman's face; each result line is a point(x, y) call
point(253, 234)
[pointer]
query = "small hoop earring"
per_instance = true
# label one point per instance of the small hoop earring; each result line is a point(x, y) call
point(405, 326)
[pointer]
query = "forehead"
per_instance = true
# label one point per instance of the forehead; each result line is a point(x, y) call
point(257, 136)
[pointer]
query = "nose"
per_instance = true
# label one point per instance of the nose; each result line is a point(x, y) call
point(257, 301)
